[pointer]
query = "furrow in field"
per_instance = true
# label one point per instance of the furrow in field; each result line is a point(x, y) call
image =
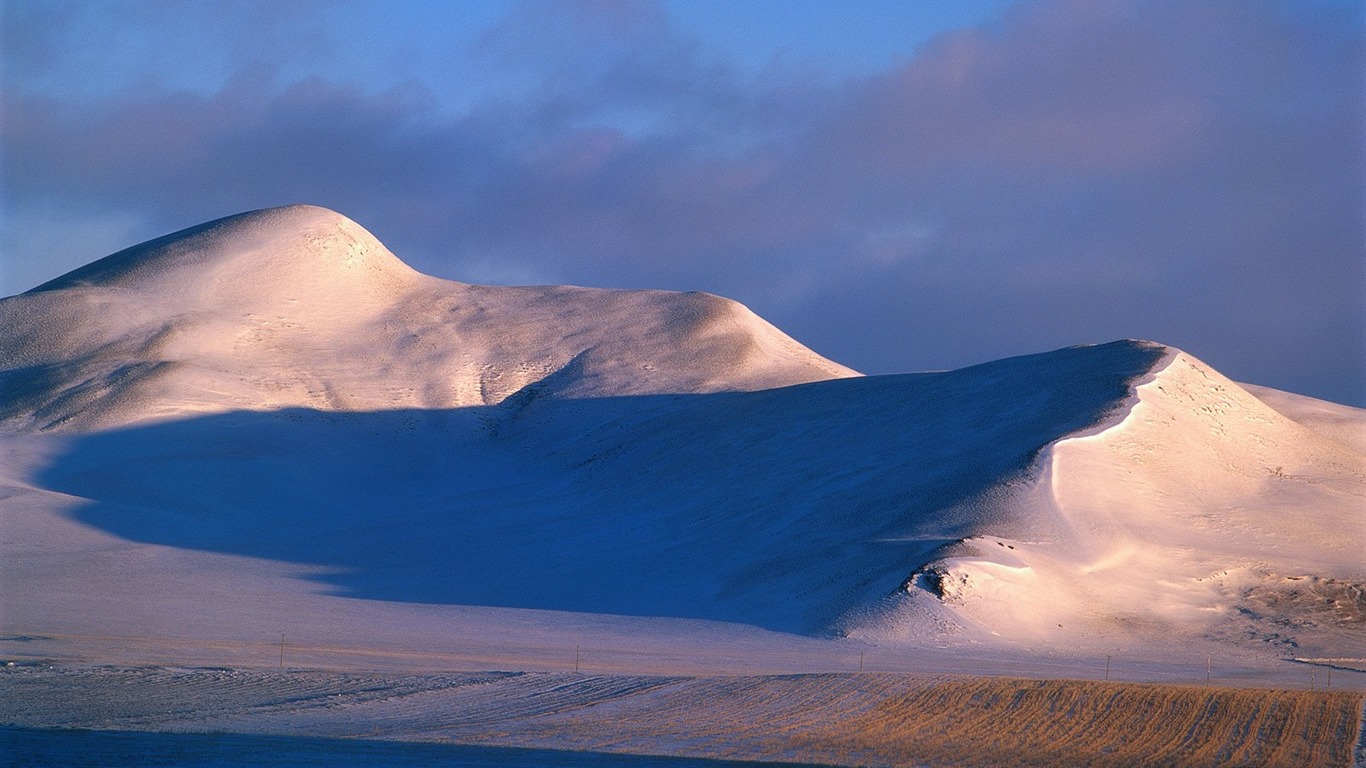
point(875, 719)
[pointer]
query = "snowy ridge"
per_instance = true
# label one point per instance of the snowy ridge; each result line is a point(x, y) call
point(273, 404)
point(1339, 423)
point(1198, 510)
point(301, 307)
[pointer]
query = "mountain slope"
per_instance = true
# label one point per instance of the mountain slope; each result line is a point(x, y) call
point(278, 388)
point(783, 508)
point(1201, 507)
point(301, 307)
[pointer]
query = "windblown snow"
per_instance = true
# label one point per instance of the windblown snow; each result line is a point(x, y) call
point(271, 419)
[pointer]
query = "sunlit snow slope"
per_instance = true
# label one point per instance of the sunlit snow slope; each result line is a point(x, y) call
point(277, 387)
point(300, 306)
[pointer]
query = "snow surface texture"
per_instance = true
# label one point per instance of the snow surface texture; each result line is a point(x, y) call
point(270, 422)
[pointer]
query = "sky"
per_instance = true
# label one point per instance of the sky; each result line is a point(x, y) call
point(902, 186)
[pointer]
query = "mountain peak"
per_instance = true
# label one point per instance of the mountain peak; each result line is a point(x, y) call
point(247, 256)
point(301, 307)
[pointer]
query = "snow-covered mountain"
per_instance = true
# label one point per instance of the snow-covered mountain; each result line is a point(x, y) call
point(278, 388)
point(300, 306)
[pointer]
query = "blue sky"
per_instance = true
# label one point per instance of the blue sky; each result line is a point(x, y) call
point(901, 185)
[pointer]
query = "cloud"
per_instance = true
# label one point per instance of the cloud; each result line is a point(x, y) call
point(1077, 171)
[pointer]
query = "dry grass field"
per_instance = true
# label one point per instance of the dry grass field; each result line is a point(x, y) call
point(1056, 723)
point(874, 719)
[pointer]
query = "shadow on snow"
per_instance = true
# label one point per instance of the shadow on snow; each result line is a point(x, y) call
point(780, 508)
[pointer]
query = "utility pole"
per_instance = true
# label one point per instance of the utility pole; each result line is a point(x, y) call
point(282, 650)
point(860, 661)
point(1107, 668)
point(576, 659)
point(1209, 666)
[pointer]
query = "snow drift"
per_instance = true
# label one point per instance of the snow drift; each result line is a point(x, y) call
point(277, 386)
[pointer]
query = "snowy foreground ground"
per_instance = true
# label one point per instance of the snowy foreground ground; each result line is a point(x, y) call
point(260, 477)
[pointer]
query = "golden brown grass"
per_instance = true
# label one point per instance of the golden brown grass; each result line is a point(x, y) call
point(899, 720)
point(1004, 722)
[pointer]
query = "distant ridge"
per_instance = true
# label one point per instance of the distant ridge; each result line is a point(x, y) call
point(300, 306)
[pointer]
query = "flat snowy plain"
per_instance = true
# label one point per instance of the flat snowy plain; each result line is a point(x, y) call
point(265, 442)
